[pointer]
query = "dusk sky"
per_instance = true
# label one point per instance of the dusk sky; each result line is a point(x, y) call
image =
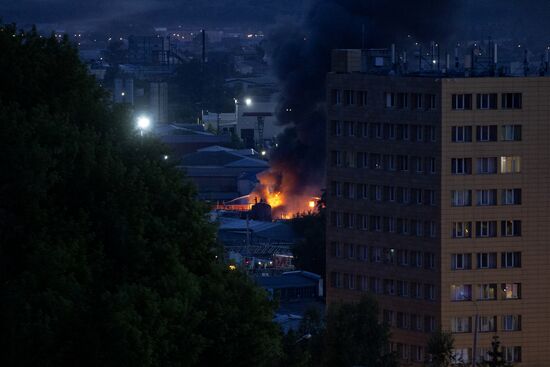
point(151, 12)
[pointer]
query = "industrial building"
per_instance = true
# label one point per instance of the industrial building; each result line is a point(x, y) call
point(439, 203)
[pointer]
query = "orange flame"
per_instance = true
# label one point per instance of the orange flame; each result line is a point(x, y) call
point(282, 196)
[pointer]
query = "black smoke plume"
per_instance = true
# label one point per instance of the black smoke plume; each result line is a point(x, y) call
point(301, 59)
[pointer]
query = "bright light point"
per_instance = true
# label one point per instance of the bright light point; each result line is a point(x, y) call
point(248, 101)
point(123, 94)
point(434, 61)
point(263, 152)
point(165, 157)
point(143, 122)
point(232, 267)
point(311, 204)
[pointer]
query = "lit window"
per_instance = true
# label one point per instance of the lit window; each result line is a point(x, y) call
point(461, 292)
point(487, 292)
point(462, 229)
point(511, 290)
point(510, 164)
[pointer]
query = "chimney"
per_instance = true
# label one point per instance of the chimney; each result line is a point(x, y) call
point(203, 39)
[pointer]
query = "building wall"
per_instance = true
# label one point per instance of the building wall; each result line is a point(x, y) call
point(534, 305)
point(533, 212)
point(426, 244)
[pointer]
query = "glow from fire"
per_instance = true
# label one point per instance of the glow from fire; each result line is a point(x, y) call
point(283, 196)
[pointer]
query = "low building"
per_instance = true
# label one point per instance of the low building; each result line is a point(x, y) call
point(220, 172)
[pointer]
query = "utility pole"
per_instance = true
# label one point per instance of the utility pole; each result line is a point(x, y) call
point(476, 327)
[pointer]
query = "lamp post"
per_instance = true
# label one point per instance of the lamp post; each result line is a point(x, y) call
point(476, 327)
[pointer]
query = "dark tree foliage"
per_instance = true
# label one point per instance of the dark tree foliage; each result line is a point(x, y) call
point(355, 337)
point(440, 349)
point(310, 251)
point(105, 255)
point(495, 355)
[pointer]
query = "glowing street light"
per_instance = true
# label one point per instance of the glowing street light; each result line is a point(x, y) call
point(143, 123)
point(248, 101)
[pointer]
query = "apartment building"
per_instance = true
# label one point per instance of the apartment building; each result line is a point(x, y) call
point(439, 205)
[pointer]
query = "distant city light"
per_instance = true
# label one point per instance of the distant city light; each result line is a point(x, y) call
point(122, 94)
point(312, 204)
point(232, 267)
point(248, 101)
point(263, 152)
point(165, 157)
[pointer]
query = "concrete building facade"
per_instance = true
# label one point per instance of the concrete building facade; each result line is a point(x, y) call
point(439, 204)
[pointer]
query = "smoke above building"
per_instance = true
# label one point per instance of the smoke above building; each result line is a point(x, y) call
point(300, 56)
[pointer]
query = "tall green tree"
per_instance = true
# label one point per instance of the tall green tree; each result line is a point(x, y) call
point(105, 255)
point(440, 349)
point(355, 337)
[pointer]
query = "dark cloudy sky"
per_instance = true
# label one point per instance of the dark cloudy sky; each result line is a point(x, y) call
point(100, 13)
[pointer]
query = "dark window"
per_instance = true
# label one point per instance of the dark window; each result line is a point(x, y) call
point(461, 134)
point(461, 101)
point(511, 133)
point(510, 228)
point(486, 101)
point(486, 133)
point(511, 101)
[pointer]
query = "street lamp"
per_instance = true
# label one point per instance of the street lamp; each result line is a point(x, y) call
point(248, 101)
point(143, 123)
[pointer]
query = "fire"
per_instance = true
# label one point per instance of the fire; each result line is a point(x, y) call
point(286, 198)
point(274, 199)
